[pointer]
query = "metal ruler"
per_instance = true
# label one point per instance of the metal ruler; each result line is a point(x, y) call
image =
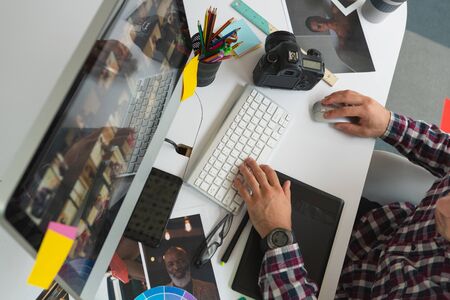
point(257, 20)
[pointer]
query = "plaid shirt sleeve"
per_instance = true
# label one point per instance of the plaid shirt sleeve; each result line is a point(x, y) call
point(423, 144)
point(283, 275)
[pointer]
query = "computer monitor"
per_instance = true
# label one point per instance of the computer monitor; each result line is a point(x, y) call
point(87, 158)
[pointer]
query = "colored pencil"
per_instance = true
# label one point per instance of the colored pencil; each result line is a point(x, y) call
point(205, 25)
point(222, 28)
point(202, 41)
point(213, 22)
point(226, 36)
point(236, 45)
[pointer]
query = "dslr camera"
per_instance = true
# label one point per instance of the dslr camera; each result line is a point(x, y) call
point(285, 66)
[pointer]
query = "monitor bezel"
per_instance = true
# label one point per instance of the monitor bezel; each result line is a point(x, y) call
point(103, 17)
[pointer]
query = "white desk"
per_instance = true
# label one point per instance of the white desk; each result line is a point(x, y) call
point(314, 153)
point(317, 154)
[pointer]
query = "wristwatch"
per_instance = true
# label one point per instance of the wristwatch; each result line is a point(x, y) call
point(277, 238)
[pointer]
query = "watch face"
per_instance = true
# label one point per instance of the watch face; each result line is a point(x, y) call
point(280, 238)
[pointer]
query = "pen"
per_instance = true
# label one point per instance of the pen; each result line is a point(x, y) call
point(235, 238)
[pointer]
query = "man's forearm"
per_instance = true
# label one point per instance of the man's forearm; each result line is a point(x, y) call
point(283, 275)
point(421, 143)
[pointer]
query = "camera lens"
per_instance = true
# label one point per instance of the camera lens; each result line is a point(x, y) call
point(278, 37)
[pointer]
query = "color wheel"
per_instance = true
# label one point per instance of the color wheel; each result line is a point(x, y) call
point(165, 293)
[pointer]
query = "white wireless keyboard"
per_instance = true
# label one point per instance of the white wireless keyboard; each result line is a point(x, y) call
point(253, 128)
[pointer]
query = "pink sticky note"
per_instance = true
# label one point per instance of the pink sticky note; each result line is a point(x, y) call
point(65, 230)
point(445, 122)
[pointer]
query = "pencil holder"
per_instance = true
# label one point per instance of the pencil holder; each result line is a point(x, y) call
point(206, 73)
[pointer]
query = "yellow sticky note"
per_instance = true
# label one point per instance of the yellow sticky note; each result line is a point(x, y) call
point(53, 252)
point(190, 78)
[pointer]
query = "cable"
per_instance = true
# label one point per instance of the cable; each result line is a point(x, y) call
point(184, 149)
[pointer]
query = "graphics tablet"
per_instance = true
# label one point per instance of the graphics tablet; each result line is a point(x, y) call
point(315, 217)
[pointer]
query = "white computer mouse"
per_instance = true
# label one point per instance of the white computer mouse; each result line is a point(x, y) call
point(319, 109)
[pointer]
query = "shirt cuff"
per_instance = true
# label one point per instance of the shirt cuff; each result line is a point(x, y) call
point(398, 125)
point(282, 258)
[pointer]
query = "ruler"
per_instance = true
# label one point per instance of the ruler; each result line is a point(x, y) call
point(253, 16)
point(257, 20)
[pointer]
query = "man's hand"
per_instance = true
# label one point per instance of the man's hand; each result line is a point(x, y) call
point(268, 204)
point(373, 118)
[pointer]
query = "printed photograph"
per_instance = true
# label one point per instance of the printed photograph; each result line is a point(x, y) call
point(347, 7)
point(135, 268)
point(319, 24)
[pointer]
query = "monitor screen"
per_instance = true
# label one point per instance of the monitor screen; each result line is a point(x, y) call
point(102, 130)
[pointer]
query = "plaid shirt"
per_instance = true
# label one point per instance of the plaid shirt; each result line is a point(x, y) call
point(395, 251)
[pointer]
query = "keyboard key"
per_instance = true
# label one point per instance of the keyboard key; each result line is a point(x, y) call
point(234, 207)
point(213, 190)
point(271, 143)
point(231, 160)
point(221, 193)
point(234, 169)
point(222, 158)
point(218, 181)
point(202, 174)
point(227, 184)
point(213, 172)
point(226, 151)
point(259, 98)
point(204, 186)
point(247, 149)
point(272, 125)
point(228, 197)
point(253, 93)
point(272, 108)
point(222, 174)
point(217, 165)
point(209, 179)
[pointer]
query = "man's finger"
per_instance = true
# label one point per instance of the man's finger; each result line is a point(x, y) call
point(259, 174)
point(346, 111)
point(249, 178)
point(344, 97)
point(287, 189)
point(272, 177)
point(242, 190)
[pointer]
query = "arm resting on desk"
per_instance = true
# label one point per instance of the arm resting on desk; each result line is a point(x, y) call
point(283, 275)
point(423, 144)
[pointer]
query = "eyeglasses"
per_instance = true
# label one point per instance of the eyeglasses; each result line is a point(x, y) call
point(213, 241)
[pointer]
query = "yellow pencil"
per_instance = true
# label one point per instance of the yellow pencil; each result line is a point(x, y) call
point(205, 25)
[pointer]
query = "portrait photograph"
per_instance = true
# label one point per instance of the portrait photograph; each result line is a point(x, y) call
point(321, 25)
point(136, 268)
